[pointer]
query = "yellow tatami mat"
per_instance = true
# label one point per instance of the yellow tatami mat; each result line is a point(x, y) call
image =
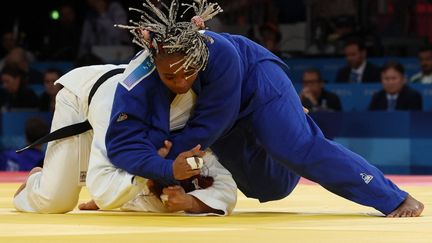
point(310, 214)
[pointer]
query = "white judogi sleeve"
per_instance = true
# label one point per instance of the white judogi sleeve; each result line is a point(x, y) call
point(222, 195)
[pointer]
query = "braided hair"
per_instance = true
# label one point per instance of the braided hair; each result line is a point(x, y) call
point(158, 32)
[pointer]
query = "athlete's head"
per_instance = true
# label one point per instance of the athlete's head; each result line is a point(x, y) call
point(178, 47)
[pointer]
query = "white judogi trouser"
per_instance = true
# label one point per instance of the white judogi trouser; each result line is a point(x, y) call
point(56, 188)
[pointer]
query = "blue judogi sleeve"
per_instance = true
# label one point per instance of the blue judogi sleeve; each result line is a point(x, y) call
point(138, 127)
point(218, 101)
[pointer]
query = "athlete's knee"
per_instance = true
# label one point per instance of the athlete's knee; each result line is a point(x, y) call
point(279, 189)
point(31, 202)
point(56, 205)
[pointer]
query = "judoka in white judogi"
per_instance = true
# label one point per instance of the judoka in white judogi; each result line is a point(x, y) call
point(56, 188)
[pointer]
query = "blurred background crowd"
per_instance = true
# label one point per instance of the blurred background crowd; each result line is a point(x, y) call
point(344, 55)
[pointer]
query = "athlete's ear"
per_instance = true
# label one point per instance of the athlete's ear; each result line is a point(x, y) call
point(145, 34)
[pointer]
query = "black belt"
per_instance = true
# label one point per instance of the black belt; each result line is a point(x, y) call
point(77, 128)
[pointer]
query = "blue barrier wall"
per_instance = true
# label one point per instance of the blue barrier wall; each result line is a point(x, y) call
point(396, 142)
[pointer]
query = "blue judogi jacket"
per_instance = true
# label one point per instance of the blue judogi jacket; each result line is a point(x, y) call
point(227, 90)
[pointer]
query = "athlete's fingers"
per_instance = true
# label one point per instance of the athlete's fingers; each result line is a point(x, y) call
point(193, 152)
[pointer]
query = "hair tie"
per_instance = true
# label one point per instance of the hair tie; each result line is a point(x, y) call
point(199, 22)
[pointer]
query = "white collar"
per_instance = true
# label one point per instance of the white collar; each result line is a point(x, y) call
point(360, 69)
point(392, 96)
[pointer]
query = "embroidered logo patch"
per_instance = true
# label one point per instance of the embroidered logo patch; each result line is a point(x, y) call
point(122, 117)
point(367, 178)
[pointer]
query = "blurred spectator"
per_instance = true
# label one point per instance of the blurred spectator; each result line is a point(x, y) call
point(47, 99)
point(330, 21)
point(395, 95)
point(271, 37)
point(64, 35)
point(17, 94)
point(35, 128)
point(9, 41)
point(358, 70)
point(344, 28)
point(98, 28)
point(18, 57)
point(314, 97)
point(425, 58)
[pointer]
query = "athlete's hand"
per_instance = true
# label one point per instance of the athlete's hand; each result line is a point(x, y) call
point(178, 200)
point(164, 151)
point(181, 169)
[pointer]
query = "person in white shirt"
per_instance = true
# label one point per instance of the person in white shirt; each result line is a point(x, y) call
point(425, 59)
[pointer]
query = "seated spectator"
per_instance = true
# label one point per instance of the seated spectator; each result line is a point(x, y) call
point(98, 28)
point(425, 58)
point(395, 95)
point(20, 58)
point(358, 70)
point(17, 94)
point(11, 161)
point(314, 97)
point(47, 99)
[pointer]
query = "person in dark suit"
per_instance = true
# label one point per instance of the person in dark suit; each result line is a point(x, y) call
point(395, 95)
point(314, 97)
point(358, 70)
